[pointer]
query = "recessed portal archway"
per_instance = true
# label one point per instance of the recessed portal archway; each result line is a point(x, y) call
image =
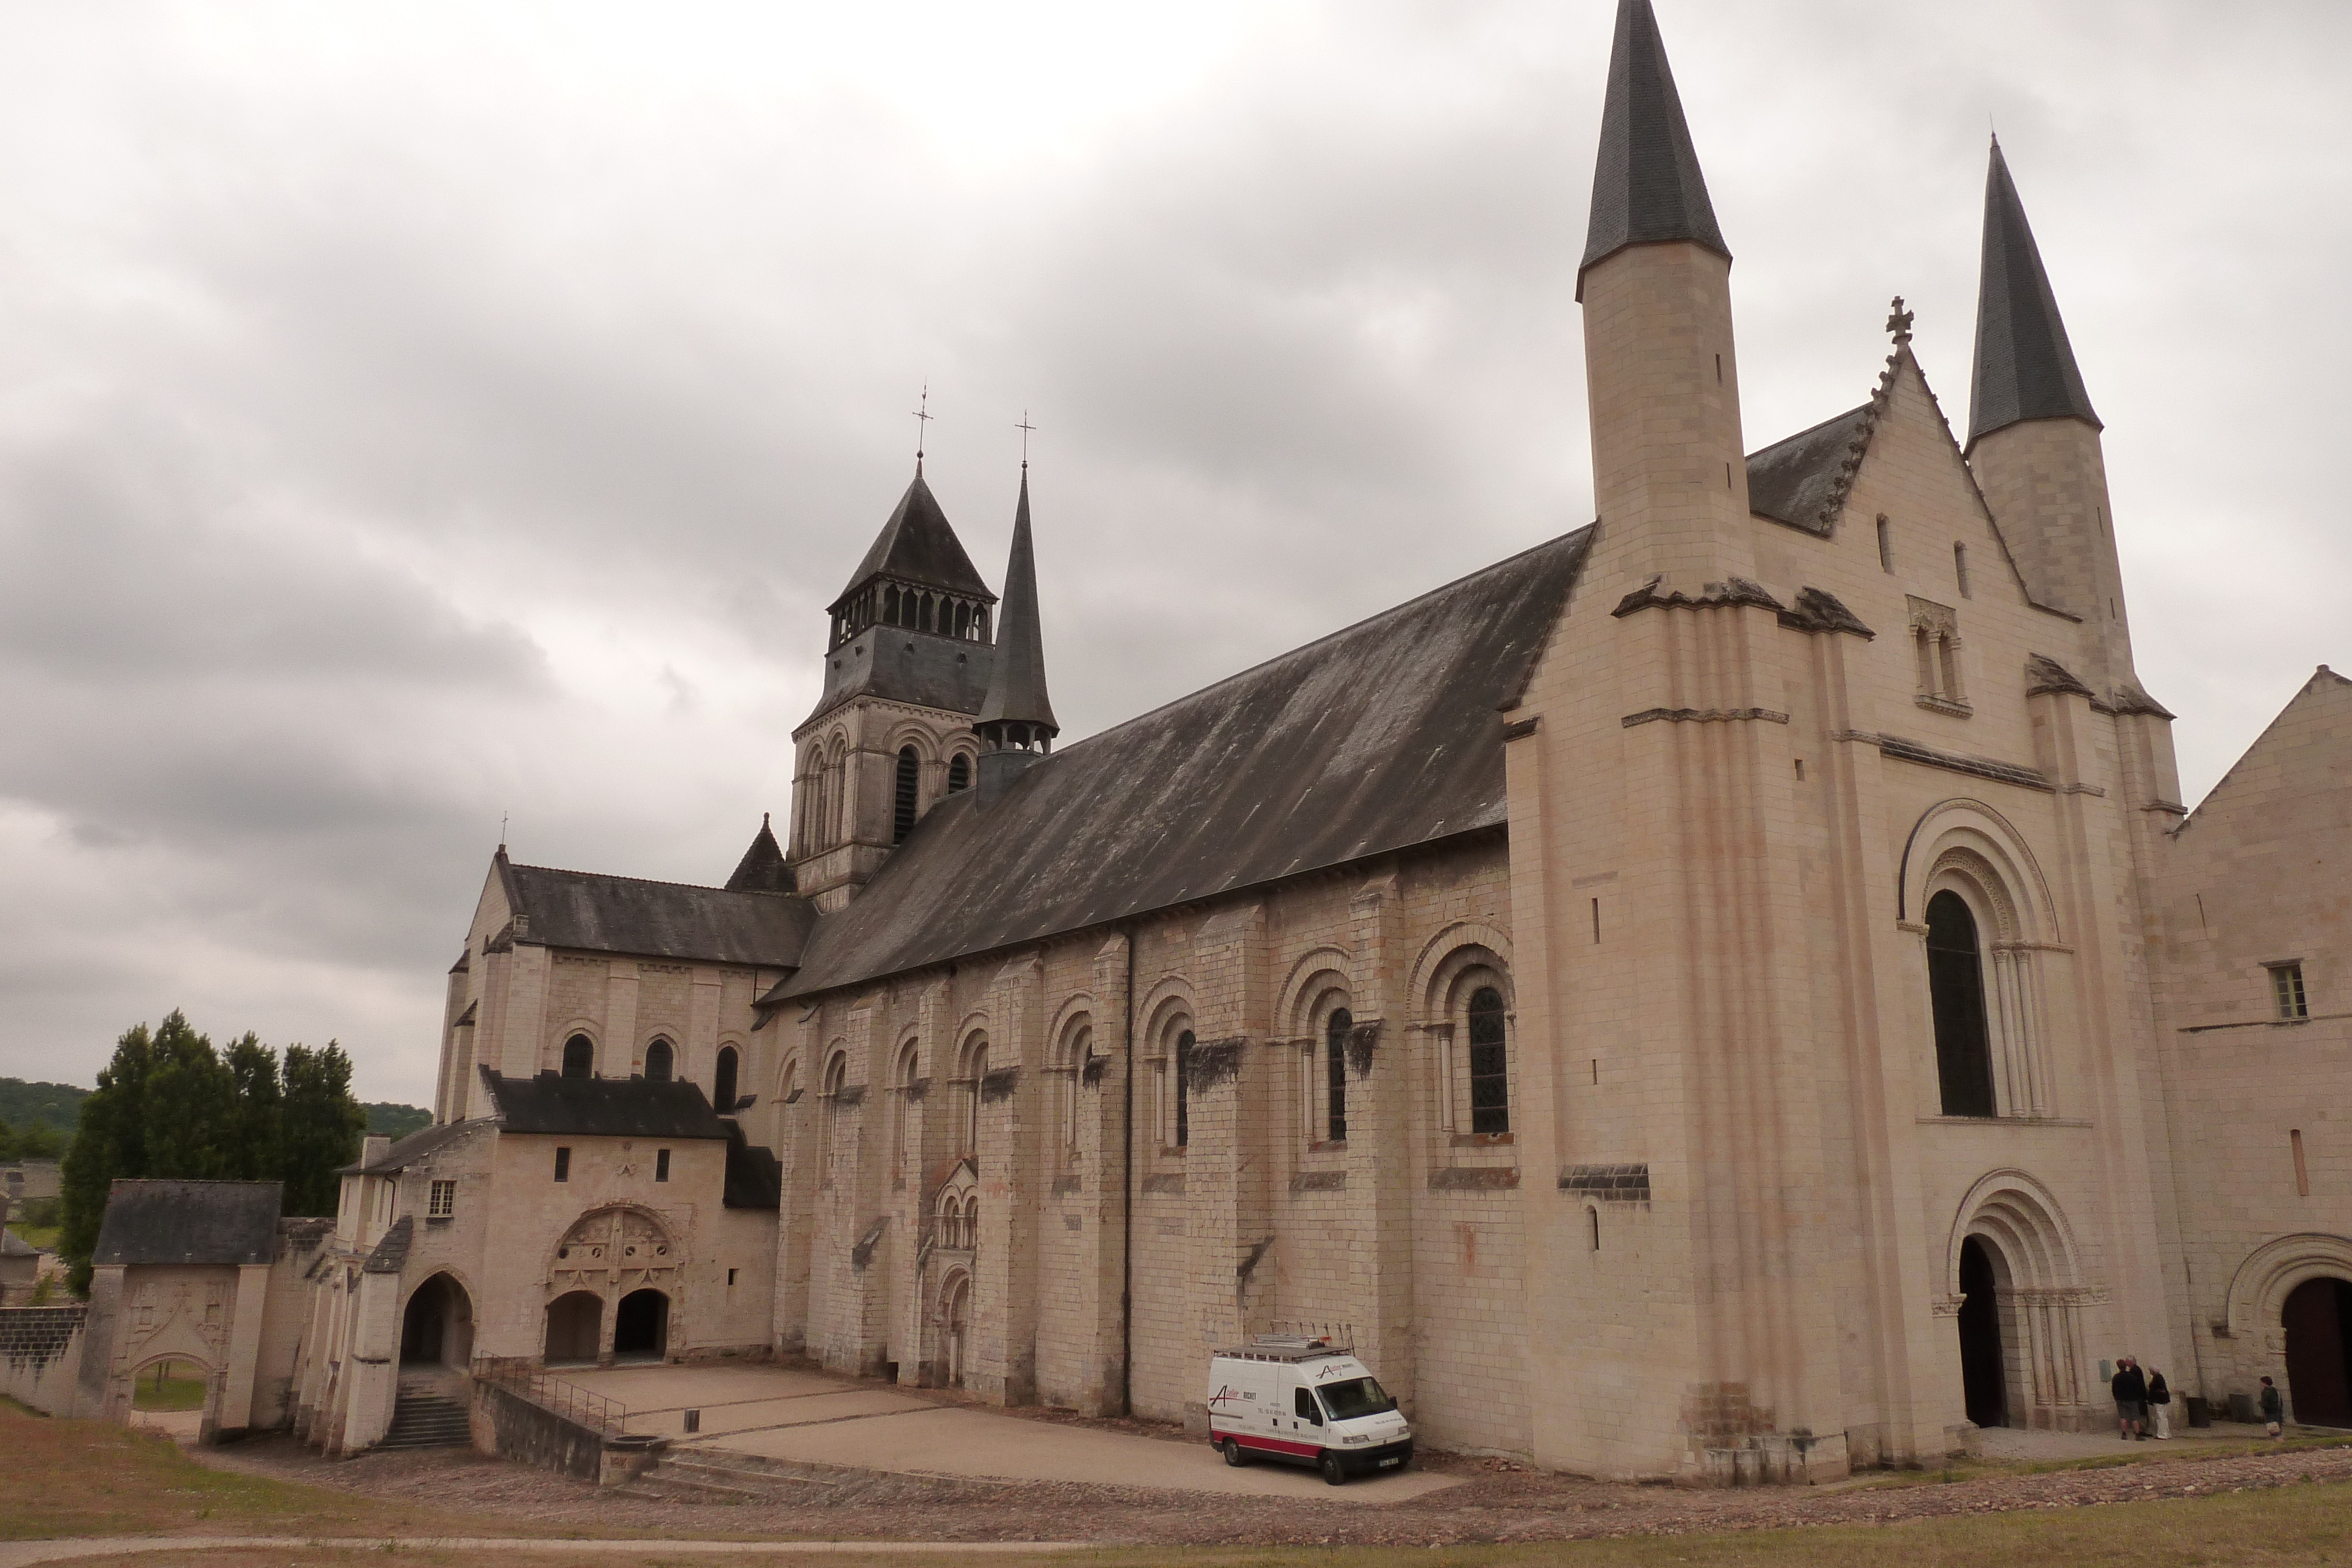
point(575, 1325)
point(2317, 1317)
point(1983, 1370)
point(436, 1329)
point(641, 1325)
point(955, 1330)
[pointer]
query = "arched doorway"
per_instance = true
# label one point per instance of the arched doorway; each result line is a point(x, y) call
point(436, 1329)
point(2317, 1317)
point(955, 1331)
point(575, 1324)
point(1984, 1374)
point(641, 1325)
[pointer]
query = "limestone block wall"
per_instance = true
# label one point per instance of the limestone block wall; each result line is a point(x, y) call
point(41, 1356)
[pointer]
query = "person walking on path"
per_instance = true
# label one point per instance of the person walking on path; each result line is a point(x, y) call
point(2272, 1414)
point(2130, 1391)
point(2159, 1404)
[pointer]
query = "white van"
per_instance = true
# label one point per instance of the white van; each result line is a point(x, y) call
point(1304, 1401)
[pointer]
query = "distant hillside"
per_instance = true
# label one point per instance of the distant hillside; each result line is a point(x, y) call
point(52, 1105)
point(399, 1121)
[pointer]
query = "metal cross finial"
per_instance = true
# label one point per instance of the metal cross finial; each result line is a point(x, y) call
point(1899, 323)
point(923, 416)
point(1025, 427)
point(502, 829)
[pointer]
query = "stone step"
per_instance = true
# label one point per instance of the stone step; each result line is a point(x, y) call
point(713, 1475)
point(427, 1421)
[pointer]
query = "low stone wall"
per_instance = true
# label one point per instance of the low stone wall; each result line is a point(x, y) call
point(507, 1424)
point(41, 1356)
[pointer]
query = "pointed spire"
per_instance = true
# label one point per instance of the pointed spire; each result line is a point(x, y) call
point(2025, 367)
point(762, 868)
point(1647, 186)
point(1017, 713)
point(917, 546)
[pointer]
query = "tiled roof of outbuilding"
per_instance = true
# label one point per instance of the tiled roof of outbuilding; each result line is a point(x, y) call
point(412, 1148)
point(604, 913)
point(190, 1222)
point(1376, 738)
point(755, 1177)
point(15, 1246)
point(603, 1107)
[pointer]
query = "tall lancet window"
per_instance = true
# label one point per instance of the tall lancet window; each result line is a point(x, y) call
point(659, 1062)
point(1334, 1074)
point(722, 1082)
point(1955, 989)
point(902, 809)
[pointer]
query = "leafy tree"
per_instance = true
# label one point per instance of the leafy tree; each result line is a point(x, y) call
point(189, 1107)
point(396, 1121)
point(322, 1127)
point(255, 1148)
point(110, 1141)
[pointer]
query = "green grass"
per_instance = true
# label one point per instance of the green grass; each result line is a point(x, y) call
point(165, 1387)
point(41, 1237)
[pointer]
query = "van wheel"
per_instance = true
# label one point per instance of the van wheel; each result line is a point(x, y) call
point(1233, 1455)
point(1334, 1472)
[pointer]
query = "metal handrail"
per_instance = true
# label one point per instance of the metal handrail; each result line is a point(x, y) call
point(518, 1375)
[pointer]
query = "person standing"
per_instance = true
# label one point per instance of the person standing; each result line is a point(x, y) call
point(2272, 1416)
point(2130, 1391)
point(2159, 1404)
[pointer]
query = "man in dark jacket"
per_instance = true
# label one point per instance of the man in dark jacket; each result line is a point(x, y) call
point(2272, 1415)
point(2129, 1386)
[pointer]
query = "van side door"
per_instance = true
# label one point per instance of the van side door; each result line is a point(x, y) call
point(1303, 1407)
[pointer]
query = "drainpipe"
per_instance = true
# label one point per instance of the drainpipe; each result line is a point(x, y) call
point(1126, 1208)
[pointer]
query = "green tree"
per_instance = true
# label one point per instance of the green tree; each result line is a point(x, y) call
point(253, 1147)
point(189, 1107)
point(109, 1142)
point(321, 1127)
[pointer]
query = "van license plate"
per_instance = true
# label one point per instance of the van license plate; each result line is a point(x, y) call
point(1392, 1460)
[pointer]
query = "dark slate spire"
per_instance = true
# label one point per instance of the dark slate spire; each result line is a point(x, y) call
point(2025, 367)
point(917, 546)
point(1647, 186)
point(762, 868)
point(1017, 714)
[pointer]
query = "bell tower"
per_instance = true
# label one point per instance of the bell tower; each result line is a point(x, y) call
point(909, 654)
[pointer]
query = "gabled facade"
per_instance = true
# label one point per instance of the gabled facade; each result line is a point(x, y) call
point(1730, 993)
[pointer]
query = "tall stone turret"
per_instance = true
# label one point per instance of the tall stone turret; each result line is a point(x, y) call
point(2033, 444)
point(1669, 470)
point(1016, 724)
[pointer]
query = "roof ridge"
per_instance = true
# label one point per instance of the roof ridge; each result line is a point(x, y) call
point(655, 882)
point(1392, 611)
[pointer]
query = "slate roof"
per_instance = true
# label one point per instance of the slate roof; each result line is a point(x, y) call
point(917, 544)
point(601, 914)
point(601, 1107)
point(407, 1151)
point(1378, 737)
point(1802, 481)
point(190, 1222)
point(15, 1246)
point(391, 1254)
point(762, 867)
point(1646, 184)
point(755, 1177)
point(1016, 692)
point(2024, 367)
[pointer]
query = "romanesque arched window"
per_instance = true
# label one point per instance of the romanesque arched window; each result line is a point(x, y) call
point(722, 1082)
point(1079, 1050)
point(1956, 992)
point(959, 773)
point(975, 1068)
point(902, 1132)
point(1184, 1090)
point(579, 1057)
point(1334, 1075)
point(1490, 1065)
point(902, 805)
point(660, 1061)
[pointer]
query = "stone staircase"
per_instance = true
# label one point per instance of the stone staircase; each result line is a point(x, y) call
point(429, 1414)
point(716, 1475)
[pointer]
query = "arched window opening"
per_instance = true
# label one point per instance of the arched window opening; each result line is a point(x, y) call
point(660, 1061)
point(903, 1130)
point(1593, 1218)
point(722, 1082)
point(1334, 1074)
point(1886, 543)
point(963, 620)
point(1081, 1052)
point(980, 624)
point(891, 605)
point(902, 809)
point(579, 1057)
point(1955, 993)
point(959, 773)
point(1184, 1090)
point(1490, 1068)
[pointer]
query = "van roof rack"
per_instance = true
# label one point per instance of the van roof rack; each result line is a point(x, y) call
point(1306, 1343)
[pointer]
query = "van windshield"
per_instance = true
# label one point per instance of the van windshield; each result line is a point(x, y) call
point(1354, 1397)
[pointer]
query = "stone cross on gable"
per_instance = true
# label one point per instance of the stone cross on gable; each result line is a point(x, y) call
point(1899, 323)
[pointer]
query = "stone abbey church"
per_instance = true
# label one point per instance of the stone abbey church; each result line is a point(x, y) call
point(1730, 993)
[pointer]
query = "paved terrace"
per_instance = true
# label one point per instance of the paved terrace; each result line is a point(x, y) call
point(817, 1418)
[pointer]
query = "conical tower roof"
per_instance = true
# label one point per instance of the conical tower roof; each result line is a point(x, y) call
point(1016, 692)
point(917, 546)
point(1647, 187)
point(762, 868)
point(2025, 367)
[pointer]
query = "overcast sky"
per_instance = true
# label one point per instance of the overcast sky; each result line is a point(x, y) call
point(415, 414)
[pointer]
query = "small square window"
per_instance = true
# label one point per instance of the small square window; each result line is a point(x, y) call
point(443, 1202)
point(563, 1165)
point(661, 1164)
point(731, 1279)
point(2287, 988)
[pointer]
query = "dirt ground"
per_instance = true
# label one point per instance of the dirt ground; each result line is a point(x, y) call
point(1499, 1501)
